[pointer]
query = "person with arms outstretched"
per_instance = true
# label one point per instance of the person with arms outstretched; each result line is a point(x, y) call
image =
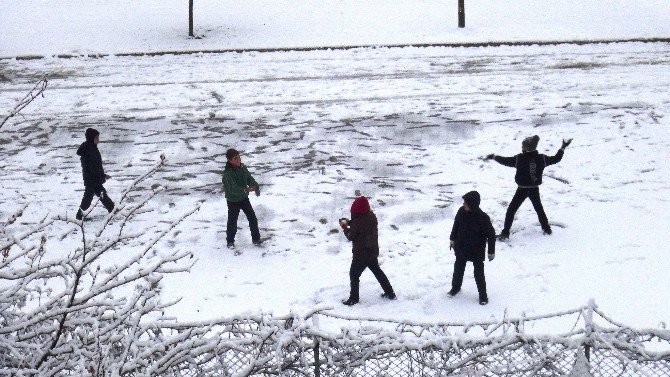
point(529, 166)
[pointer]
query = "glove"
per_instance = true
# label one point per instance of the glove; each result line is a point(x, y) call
point(566, 142)
point(451, 244)
point(344, 223)
point(258, 191)
point(490, 156)
point(491, 256)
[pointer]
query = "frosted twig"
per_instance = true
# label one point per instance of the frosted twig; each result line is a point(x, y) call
point(621, 356)
point(36, 91)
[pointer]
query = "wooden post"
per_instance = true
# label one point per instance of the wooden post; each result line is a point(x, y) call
point(461, 13)
point(190, 18)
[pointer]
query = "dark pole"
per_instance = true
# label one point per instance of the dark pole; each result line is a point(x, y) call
point(190, 18)
point(317, 361)
point(461, 13)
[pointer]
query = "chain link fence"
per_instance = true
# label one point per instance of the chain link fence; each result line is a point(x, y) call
point(322, 343)
point(325, 344)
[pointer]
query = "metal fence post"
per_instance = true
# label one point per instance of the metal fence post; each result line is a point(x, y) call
point(190, 18)
point(587, 352)
point(461, 13)
point(588, 330)
point(317, 361)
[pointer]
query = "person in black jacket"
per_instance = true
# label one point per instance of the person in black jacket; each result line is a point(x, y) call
point(471, 232)
point(529, 167)
point(362, 231)
point(94, 174)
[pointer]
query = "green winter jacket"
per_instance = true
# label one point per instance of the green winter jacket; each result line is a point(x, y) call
point(235, 182)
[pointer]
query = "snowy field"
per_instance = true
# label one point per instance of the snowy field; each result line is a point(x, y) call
point(405, 126)
point(36, 27)
point(408, 127)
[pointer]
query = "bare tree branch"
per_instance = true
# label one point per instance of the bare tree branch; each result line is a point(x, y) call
point(36, 91)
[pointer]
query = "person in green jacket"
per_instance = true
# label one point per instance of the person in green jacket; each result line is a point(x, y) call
point(237, 184)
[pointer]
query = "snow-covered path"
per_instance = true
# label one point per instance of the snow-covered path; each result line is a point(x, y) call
point(405, 126)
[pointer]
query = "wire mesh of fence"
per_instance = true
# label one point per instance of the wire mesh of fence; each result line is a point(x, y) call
point(322, 343)
point(592, 345)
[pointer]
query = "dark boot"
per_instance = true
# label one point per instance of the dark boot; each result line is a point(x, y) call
point(80, 215)
point(483, 299)
point(390, 296)
point(453, 292)
point(504, 235)
point(350, 302)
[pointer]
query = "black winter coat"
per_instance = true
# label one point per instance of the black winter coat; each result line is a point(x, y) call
point(364, 235)
point(529, 166)
point(91, 164)
point(470, 233)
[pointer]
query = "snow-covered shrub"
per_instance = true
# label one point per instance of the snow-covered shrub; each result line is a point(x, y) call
point(83, 302)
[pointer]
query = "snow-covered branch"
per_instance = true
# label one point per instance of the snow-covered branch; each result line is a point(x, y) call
point(92, 311)
point(36, 91)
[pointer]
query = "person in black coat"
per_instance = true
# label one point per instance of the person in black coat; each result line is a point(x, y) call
point(362, 231)
point(529, 167)
point(94, 174)
point(471, 232)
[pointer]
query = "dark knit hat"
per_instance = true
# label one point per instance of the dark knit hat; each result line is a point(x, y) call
point(472, 199)
point(230, 153)
point(361, 206)
point(91, 133)
point(530, 143)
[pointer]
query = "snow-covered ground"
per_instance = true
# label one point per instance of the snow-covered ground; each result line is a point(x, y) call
point(406, 126)
point(36, 27)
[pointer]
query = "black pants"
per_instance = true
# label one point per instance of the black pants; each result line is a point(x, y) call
point(519, 197)
point(234, 212)
point(459, 271)
point(88, 198)
point(356, 270)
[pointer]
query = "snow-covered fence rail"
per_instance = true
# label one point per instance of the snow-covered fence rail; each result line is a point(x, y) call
point(309, 345)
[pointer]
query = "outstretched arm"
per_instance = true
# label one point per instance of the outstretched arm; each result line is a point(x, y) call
point(507, 161)
point(550, 160)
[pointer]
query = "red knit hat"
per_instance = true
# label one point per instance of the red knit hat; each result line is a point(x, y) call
point(360, 206)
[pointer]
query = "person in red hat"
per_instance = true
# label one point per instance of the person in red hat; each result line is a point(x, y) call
point(362, 231)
